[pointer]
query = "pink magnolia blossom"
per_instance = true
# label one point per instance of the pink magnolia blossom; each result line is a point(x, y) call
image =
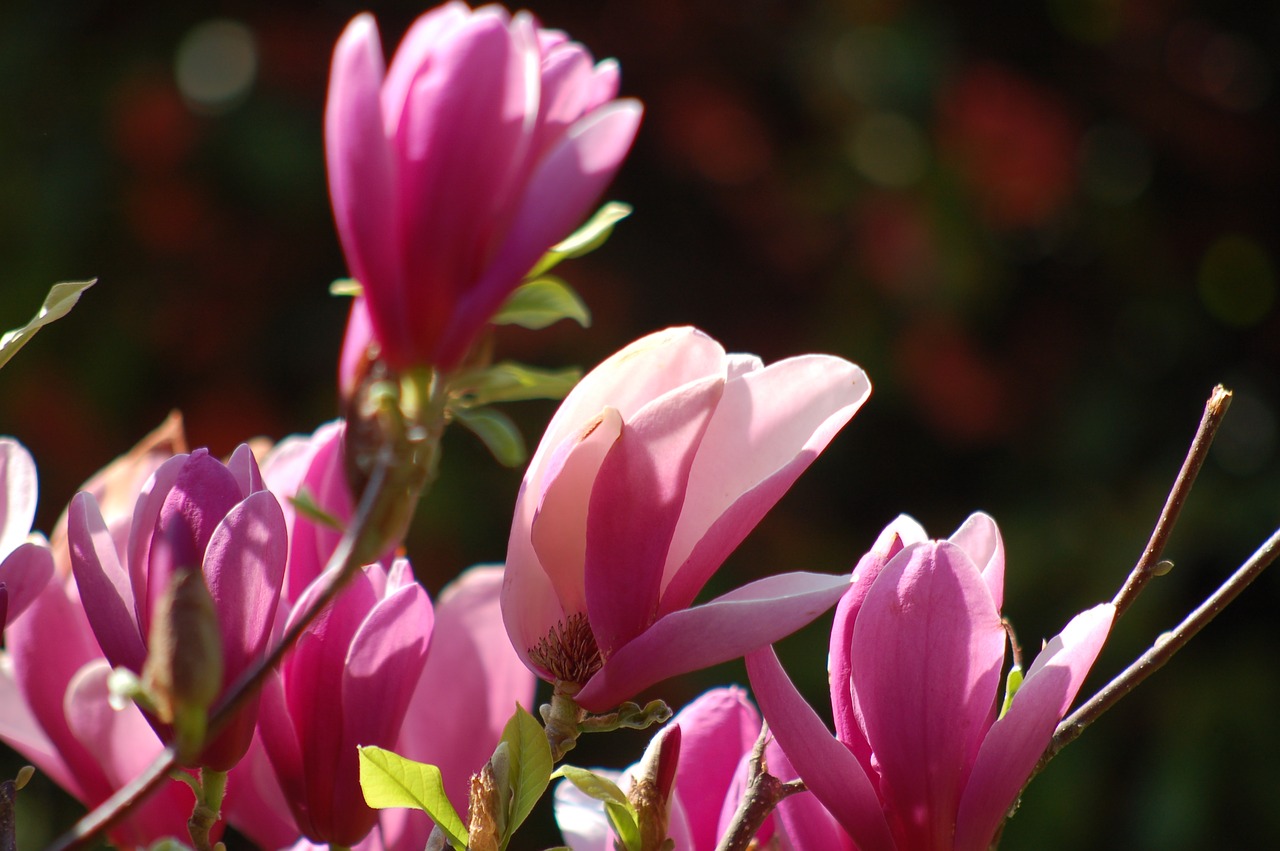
point(25, 562)
point(717, 733)
point(921, 759)
point(451, 714)
point(193, 512)
point(453, 171)
point(654, 469)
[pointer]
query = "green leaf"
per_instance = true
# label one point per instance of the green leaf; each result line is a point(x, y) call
point(305, 504)
point(1011, 685)
point(390, 780)
point(346, 287)
point(496, 430)
point(541, 302)
point(531, 766)
point(585, 239)
point(57, 304)
point(622, 815)
point(509, 381)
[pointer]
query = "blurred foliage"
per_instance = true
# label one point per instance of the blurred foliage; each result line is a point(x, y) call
point(1046, 230)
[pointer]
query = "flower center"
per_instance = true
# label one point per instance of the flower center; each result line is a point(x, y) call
point(568, 652)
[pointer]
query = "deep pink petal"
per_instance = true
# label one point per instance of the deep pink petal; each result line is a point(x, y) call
point(979, 536)
point(1015, 742)
point(18, 485)
point(927, 650)
point(104, 586)
point(470, 686)
point(255, 805)
point(636, 501)
point(717, 729)
point(559, 194)
point(362, 180)
point(278, 736)
point(827, 767)
point(769, 426)
point(424, 36)
point(725, 628)
point(801, 818)
point(25, 572)
point(146, 514)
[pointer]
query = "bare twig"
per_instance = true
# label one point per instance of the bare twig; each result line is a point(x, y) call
point(1163, 649)
point(1147, 566)
point(764, 793)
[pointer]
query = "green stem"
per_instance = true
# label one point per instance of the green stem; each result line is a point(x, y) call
point(208, 809)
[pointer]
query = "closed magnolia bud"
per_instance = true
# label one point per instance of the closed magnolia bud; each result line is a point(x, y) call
point(482, 829)
point(650, 794)
point(183, 673)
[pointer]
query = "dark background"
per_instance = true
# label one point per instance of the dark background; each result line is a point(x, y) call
point(1046, 230)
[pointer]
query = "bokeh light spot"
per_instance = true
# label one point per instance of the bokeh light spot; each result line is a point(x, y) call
point(890, 149)
point(216, 64)
point(1115, 164)
point(1237, 281)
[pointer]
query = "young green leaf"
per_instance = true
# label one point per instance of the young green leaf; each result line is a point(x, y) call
point(509, 381)
point(305, 504)
point(531, 764)
point(390, 780)
point(541, 302)
point(621, 813)
point(496, 430)
point(57, 304)
point(346, 287)
point(585, 239)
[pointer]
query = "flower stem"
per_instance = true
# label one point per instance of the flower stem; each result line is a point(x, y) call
point(208, 808)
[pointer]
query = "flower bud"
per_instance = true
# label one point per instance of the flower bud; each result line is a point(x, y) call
point(650, 795)
point(183, 673)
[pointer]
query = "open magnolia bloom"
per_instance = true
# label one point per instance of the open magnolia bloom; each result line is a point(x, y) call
point(25, 562)
point(923, 759)
point(654, 469)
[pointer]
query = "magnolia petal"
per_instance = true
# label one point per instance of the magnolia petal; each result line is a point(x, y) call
point(559, 531)
point(146, 514)
point(423, 37)
point(558, 196)
point(104, 586)
point(769, 426)
point(1015, 742)
point(717, 729)
point(18, 486)
point(725, 628)
point(22, 731)
point(979, 536)
point(928, 646)
point(828, 769)
point(279, 738)
point(244, 468)
point(636, 501)
point(244, 568)
point(807, 825)
point(362, 174)
point(469, 687)
point(25, 572)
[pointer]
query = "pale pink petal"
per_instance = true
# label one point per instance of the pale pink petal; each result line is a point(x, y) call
point(18, 485)
point(979, 536)
point(1015, 742)
point(559, 532)
point(255, 805)
point(769, 426)
point(244, 468)
point(581, 818)
point(22, 731)
point(725, 628)
point(362, 178)
point(25, 572)
point(146, 514)
point(104, 586)
point(469, 688)
point(636, 501)
point(827, 767)
point(423, 37)
point(927, 646)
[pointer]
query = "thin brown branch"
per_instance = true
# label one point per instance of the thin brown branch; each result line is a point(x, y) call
point(1147, 566)
point(764, 793)
point(1163, 649)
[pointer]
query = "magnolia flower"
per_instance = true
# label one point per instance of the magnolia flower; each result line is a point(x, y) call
point(194, 513)
point(717, 733)
point(453, 171)
point(654, 469)
point(922, 760)
point(25, 562)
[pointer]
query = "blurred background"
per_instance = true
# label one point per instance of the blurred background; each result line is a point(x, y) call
point(1046, 230)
